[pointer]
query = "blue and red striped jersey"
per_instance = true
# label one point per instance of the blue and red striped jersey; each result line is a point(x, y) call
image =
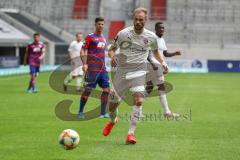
point(34, 52)
point(96, 45)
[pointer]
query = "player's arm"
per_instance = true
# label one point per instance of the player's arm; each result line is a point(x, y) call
point(151, 61)
point(42, 53)
point(83, 55)
point(169, 54)
point(111, 54)
point(159, 57)
point(114, 46)
point(25, 57)
point(70, 51)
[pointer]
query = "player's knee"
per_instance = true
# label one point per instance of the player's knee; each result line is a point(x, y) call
point(161, 87)
point(86, 94)
point(106, 90)
point(149, 87)
point(113, 97)
point(138, 99)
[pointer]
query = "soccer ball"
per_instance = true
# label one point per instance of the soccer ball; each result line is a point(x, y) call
point(69, 139)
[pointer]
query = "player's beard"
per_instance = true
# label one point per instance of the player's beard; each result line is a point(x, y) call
point(138, 27)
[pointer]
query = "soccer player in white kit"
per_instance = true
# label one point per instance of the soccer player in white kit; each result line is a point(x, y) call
point(133, 42)
point(155, 75)
point(74, 53)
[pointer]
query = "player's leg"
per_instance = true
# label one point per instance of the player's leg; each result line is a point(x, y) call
point(113, 112)
point(164, 102)
point(79, 82)
point(31, 83)
point(31, 69)
point(136, 115)
point(103, 82)
point(79, 77)
point(91, 82)
point(76, 73)
point(84, 98)
point(31, 86)
point(157, 78)
point(116, 94)
point(104, 100)
point(163, 97)
point(67, 81)
point(149, 87)
point(36, 73)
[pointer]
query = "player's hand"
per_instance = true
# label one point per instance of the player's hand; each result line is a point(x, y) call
point(178, 53)
point(165, 67)
point(113, 62)
point(40, 58)
point(85, 68)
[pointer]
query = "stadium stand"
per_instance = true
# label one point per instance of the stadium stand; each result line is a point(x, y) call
point(203, 29)
point(35, 27)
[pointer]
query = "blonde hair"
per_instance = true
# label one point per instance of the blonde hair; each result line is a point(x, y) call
point(140, 9)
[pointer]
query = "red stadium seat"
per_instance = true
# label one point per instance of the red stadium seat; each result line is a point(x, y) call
point(158, 9)
point(114, 28)
point(80, 9)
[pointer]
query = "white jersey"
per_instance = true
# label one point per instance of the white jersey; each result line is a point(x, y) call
point(75, 48)
point(161, 47)
point(133, 51)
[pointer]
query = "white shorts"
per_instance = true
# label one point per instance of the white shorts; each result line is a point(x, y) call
point(122, 84)
point(76, 67)
point(156, 76)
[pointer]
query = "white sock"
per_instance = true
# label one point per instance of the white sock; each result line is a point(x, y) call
point(164, 102)
point(67, 80)
point(135, 118)
point(79, 81)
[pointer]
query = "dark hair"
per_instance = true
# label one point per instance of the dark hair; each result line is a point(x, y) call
point(36, 34)
point(99, 19)
point(158, 23)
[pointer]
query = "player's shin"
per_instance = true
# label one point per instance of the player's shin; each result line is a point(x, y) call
point(136, 113)
point(84, 99)
point(164, 102)
point(68, 80)
point(113, 112)
point(135, 118)
point(104, 98)
point(33, 82)
point(79, 81)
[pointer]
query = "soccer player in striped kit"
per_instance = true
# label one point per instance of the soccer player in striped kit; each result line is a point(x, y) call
point(35, 52)
point(93, 57)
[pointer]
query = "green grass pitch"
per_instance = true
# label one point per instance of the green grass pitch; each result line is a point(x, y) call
point(29, 128)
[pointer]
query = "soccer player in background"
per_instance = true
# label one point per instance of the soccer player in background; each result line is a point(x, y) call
point(93, 57)
point(155, 75)
point(35, 52)
point(74, 54)
point(134, 42)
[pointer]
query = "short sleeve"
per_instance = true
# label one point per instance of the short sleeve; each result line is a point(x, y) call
point(70, 49)
point(164, 45)
point(154, 44)
point(116, 40)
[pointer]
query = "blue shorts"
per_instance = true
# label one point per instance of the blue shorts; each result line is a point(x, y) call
point(94, 78)
point(34, 69)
